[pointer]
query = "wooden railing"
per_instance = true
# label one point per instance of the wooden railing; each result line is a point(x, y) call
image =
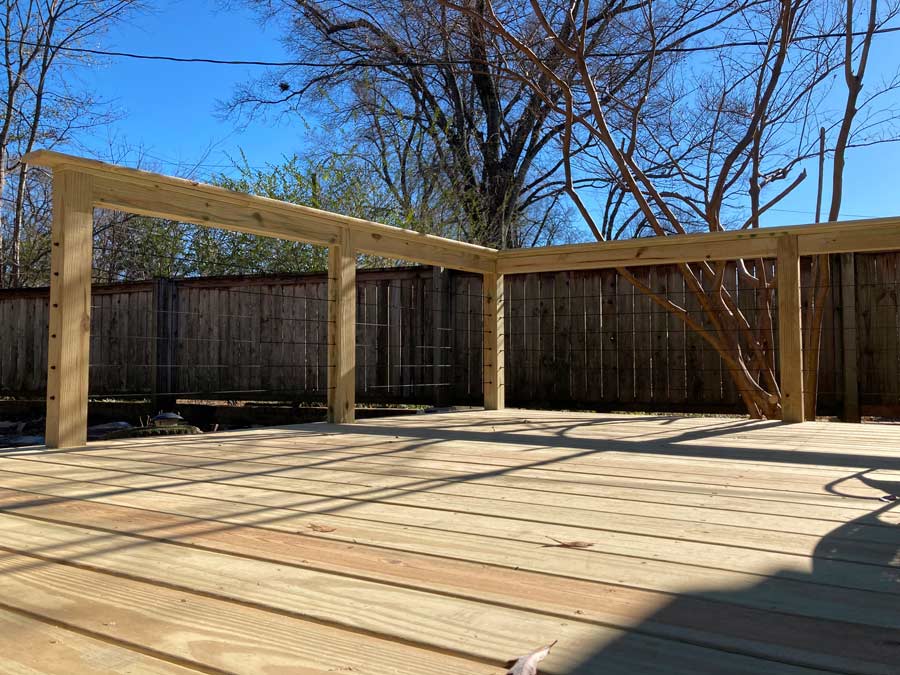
point(81, 184)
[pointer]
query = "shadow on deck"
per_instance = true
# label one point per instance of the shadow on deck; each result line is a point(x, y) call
point(840, 616)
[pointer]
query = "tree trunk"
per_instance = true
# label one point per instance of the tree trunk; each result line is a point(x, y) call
point(2, 227)
point(15, 275)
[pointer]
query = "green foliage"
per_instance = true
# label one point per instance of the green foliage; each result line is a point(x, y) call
point(129, 248)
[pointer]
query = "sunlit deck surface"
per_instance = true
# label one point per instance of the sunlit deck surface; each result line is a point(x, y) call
point(443, 544)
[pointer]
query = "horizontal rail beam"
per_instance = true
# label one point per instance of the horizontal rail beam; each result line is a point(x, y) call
point(152, 194)
point(145, 193)
point(194, 206)
point(876, 234)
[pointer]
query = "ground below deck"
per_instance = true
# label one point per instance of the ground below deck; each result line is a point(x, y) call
point(436, 544)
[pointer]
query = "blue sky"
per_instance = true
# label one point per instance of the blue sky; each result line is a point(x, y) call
point(171, 110)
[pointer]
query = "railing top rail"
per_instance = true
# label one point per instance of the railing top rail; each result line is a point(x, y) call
point(875, 234)
point(153, 194)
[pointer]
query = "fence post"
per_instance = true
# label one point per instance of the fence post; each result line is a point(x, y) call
point(493, 338)
point(342, 331)
point(790, 338)
point(849, 337)
point(165, 302)
point(440, 306)
point(70, 309)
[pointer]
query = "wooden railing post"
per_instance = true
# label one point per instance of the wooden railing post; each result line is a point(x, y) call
point(342, 331)
point(493, 346)
point(70, 309)
point(790, 338)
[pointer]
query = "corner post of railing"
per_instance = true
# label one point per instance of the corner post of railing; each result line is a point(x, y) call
point(790, 338)
point(69, 333)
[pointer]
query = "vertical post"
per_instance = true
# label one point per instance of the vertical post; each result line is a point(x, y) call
point(850, 337)
point(790, 339)
point(493, 346)
point(70, 309)
point(342, 331)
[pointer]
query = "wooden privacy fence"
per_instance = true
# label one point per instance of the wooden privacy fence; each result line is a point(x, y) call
point(582, 338)
point(588, 338)
point(418, 338)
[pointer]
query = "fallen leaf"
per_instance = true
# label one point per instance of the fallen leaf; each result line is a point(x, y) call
point(527, 665)
point(315, 527)
point(568, 544)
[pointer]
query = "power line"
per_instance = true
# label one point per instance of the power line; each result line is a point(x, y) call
point(810, 212)
point(366, 63)
point(202, 165)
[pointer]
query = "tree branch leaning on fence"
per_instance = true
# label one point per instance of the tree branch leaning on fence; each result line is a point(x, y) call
point(682, 145)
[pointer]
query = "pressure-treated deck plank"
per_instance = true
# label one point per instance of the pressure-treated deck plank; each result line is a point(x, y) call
point(488, 468)
point(474, 459)
point(255, 503)
point(443, 623)
point(737, 629)
point(471, 512)
point(662, 542)
point(795, 519)
point(718, 546)
point(788, 593)
point(29, 646)
point(709, 446)
point(391, 475)
point(200, 632)
point(858, 496)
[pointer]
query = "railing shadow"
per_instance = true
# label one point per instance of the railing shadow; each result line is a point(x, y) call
point(869, 643)
point(870, 640)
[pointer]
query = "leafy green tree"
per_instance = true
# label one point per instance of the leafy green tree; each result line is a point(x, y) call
point(129, 248)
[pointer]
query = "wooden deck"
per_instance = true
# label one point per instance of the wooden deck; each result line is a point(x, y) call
point(431, 545)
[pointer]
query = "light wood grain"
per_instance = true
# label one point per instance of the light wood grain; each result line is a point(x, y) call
point(189, 629)
point(342, 331)
point(147, 193)
point(478, 630)
point(715, 545)
point(790, 339)
point(31, 647)
point(875, 234)
point(744, 629)
point(70, 310)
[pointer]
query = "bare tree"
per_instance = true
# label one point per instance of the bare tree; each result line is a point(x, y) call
point(710, 143)
point(855, 62)
point(39, 104)
point(457, 141)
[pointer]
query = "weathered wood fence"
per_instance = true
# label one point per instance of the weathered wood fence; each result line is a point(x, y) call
point(573, 339)
point(418, 337)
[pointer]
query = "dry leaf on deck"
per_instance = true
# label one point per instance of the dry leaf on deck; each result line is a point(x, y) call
point(527, 665)
point(568, 544)
point(315, 527)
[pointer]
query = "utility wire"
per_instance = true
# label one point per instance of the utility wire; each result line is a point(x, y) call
point(365, 63)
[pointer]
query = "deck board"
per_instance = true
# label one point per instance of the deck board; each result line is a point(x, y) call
point(427, 544)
